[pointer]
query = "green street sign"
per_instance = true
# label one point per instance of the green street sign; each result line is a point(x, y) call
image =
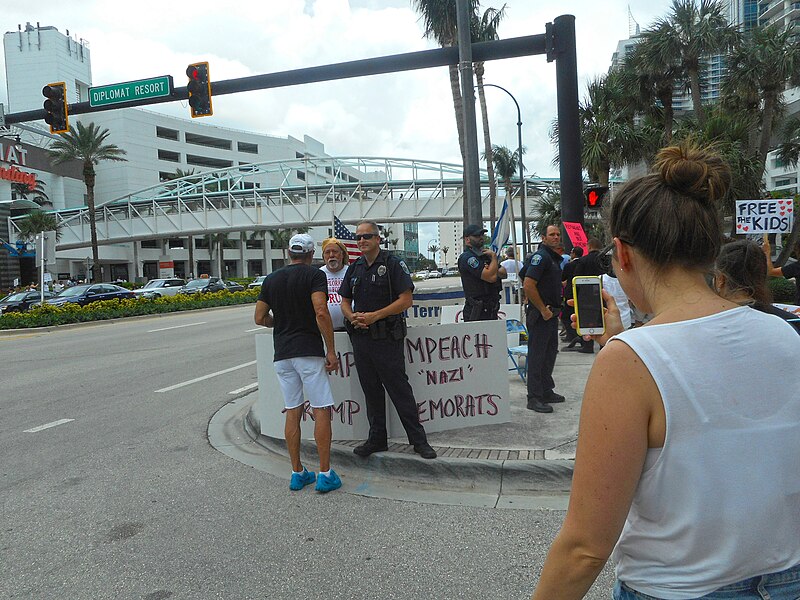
point(130, 91)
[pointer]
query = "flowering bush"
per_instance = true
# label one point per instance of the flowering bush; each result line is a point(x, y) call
point(49, 315)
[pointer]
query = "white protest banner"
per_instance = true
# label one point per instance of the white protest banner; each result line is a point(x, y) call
point(773, 215)
point(458, 374)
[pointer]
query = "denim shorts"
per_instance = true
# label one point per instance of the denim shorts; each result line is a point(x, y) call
point(784, 585)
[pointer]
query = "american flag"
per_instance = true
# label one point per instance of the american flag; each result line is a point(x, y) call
point(347, 237)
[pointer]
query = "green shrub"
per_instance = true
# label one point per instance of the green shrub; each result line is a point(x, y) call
point(49, 315)
point(783, 290)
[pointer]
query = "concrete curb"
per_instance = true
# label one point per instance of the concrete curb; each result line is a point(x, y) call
point(512, 477)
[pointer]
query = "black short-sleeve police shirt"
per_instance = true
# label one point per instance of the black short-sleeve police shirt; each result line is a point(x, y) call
point(544, 267)
point(368, 286)
point(470, 267)
point(793, 270)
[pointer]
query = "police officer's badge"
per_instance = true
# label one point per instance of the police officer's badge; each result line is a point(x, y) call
point(536, 259)
point(403, 266)
point(382, 270)
point(473, 262)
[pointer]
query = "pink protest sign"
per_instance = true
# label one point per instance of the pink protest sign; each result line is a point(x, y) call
point(576, 234)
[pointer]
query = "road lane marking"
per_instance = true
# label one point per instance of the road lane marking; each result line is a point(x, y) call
point(256, 329)
point(245, 388)
point(177, 327)
point(204, 377)
point(47, 426)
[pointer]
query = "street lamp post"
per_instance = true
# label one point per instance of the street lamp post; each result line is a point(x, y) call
point(521, 175)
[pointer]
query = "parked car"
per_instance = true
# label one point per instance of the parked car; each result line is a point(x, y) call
point(233, 286)
point(451, 271)
point(420, 275)
point(87, 293)
point(256, 283)
point(156, 288)
point(434, 275)
point(21, 301)
point(204, 285)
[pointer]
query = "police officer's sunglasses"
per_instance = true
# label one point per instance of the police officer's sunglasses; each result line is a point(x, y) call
point(365, 236)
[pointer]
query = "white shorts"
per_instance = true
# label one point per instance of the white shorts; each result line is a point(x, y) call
point(307, 372)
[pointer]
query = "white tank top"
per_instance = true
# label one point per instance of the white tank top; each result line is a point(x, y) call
point(720, 502)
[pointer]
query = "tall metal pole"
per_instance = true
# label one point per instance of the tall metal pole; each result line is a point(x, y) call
point(561, 48)
point(472, 195)
point(521, 176)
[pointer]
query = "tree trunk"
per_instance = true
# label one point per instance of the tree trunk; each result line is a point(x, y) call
point(766, 129)
point(604, 174)
point(89, 180)
point(666, 102)
point(697, 104)
point(487, 146)
point(458, 107)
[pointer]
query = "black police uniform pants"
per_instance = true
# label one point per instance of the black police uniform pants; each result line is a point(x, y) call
point(542, 350)
point(381, 366)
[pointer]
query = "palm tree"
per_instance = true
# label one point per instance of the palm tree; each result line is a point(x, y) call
point(546, 212)
point(506, 165)
point(609, 137)
point(650, 75)
point(758, 71)
point(445, 250)
point(432, 250)
point(37, 194)
point(693, 30)
point(440, 20)
point(87, 144)
point(485, 30)
point(37, 221)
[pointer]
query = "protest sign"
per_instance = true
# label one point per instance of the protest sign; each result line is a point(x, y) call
point(458, 373)
point(772, 215)
point(576, 235)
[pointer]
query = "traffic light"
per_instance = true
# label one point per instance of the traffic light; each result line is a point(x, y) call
point(199, 87)
point(55, 106)
point(595, 195)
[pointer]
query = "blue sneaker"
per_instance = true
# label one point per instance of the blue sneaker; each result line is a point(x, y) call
point(300, 480)
point(328, 483)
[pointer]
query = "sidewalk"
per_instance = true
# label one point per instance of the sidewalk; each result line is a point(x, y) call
point(525, 462)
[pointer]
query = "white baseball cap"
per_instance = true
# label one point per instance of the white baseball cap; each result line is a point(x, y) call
point(301, 243)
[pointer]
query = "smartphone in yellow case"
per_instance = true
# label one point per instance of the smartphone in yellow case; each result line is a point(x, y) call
point(587, 293)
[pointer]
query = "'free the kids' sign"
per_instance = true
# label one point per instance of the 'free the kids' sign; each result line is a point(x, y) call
point(764, 216)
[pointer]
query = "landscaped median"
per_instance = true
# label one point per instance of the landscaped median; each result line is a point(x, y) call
point(48, 315)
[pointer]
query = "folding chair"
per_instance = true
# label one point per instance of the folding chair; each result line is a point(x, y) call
point(517, 353)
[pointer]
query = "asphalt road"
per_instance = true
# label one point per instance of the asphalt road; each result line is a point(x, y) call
point(125, 498)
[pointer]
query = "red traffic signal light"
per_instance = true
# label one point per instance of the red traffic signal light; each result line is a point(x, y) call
point(595, 195)
point(56, 107)
point(199, 88)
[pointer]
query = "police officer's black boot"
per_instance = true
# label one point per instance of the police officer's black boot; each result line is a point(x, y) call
point(539, 406)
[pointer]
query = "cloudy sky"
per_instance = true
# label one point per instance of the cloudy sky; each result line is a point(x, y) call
point(404, 115)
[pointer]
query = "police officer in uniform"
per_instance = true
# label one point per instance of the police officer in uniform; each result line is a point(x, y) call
point(375, 292)
point(542, 287)
point(480, 277)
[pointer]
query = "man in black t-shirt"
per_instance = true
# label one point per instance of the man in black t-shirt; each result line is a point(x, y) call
point(294, 301)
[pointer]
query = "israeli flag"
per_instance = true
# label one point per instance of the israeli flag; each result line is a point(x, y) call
point(502, 231)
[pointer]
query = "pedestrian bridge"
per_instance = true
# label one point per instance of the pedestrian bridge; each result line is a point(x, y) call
point(301, 192)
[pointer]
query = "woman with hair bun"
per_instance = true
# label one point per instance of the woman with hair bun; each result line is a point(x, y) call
point(741, 276)
point(686, 471)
